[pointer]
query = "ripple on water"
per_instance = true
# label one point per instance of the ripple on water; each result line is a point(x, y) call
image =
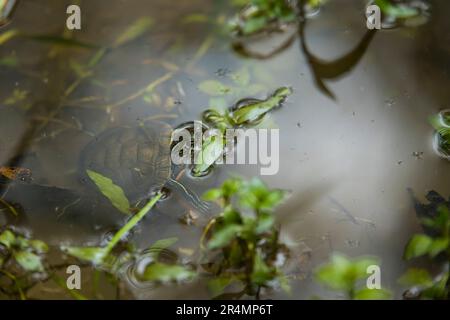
point(133, 272)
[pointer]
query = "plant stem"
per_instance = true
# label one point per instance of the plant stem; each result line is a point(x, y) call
point(131, 223)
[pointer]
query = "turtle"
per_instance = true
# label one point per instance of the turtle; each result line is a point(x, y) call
point(136, 158)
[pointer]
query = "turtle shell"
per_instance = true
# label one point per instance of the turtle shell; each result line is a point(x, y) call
point(135, 158)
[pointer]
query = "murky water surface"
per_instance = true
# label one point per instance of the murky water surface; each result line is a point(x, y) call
point(348, 162)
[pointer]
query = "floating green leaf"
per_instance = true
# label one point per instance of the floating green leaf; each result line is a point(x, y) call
point(29, 261)
point(416, 277)
point(419, 245)
point(372, 294)
point(254, 110)
point(164, 243)
point(113, 192)
point(212, 149)
point(7, 238)
point(94, 255)
point(166, 273)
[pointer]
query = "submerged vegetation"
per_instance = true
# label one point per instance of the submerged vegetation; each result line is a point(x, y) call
point(349, 276)
point(246, 113)
point(435, 245)
point(240, 253)
point(243, 246)
point(257, 16)
point(22, 263)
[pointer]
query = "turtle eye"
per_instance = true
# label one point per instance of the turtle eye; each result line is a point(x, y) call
point(166, 193)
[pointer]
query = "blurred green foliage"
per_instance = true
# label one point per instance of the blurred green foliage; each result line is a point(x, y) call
point(436, 246)
point(241, 244)
point(345, 275)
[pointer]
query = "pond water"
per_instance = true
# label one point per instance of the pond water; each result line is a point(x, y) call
point(347, 162)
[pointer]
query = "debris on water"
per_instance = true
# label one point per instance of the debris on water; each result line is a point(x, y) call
point(352, 243)
point(418, 155)
point(390, 102)
point(299, 124)
point(399, 162)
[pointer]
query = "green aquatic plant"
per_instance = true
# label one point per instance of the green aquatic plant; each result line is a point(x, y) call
point(22, 263)
point(27, 253)
point(345, 275)
point(247, 113)
point(396, 10)
point(106, 260)
point(257, 16)
point(97, 255)
point(260, 15)
point(434, 244)
point(241, 245)
point(111, 191)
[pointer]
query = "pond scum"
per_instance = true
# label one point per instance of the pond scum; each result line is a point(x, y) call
point(240, 254)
